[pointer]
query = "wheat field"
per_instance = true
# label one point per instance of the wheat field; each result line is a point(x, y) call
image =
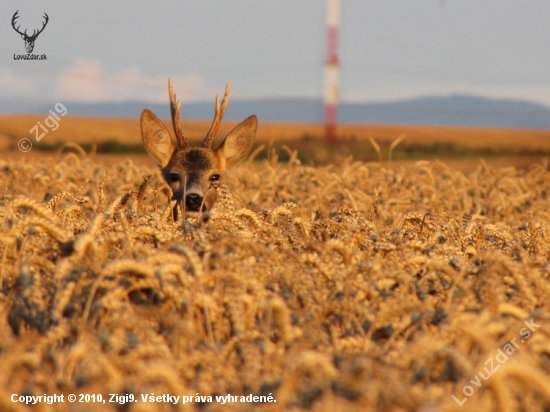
point(88, 130)
point(358, 287)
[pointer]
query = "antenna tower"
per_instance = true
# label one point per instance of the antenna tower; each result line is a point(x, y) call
point(331, 70)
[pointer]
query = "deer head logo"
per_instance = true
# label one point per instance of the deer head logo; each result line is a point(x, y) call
point(29, 40)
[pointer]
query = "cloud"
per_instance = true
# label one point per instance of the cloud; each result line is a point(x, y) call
point(89, 81)
point(14, 85)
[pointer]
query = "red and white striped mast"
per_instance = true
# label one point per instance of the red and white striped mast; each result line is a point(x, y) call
point(331, 69)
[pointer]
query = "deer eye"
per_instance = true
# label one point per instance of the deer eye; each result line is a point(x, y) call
point(174, 177)
point(214, 177)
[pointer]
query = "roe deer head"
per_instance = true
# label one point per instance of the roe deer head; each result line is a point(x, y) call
point(191, 170)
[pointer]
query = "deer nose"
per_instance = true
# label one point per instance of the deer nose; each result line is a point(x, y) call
point(193, 201)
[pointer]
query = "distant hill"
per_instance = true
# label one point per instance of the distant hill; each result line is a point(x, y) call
point(454, 110)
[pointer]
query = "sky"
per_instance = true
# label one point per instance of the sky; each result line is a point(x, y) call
point(389, 49)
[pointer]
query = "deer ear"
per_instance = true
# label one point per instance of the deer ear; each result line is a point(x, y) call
point(238, 142)
point(156, 138)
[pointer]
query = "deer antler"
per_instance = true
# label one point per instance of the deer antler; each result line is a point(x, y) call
point(15, 16)
point(218, 116)
point(34, 33)
point(43, 26)
point(175, 110)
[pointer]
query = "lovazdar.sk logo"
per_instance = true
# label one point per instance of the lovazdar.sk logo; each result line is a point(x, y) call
point(29, 39)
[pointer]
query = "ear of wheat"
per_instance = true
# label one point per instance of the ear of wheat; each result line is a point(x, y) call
point(357, 287)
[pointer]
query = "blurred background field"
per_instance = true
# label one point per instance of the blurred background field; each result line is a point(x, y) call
point(460, 146)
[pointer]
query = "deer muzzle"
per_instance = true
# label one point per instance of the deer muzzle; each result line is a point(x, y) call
point(193, 201)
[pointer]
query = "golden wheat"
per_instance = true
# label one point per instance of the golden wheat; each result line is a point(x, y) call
point(337, 288)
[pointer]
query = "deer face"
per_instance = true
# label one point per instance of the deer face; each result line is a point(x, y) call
point(191, 171)
point(29, 43)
